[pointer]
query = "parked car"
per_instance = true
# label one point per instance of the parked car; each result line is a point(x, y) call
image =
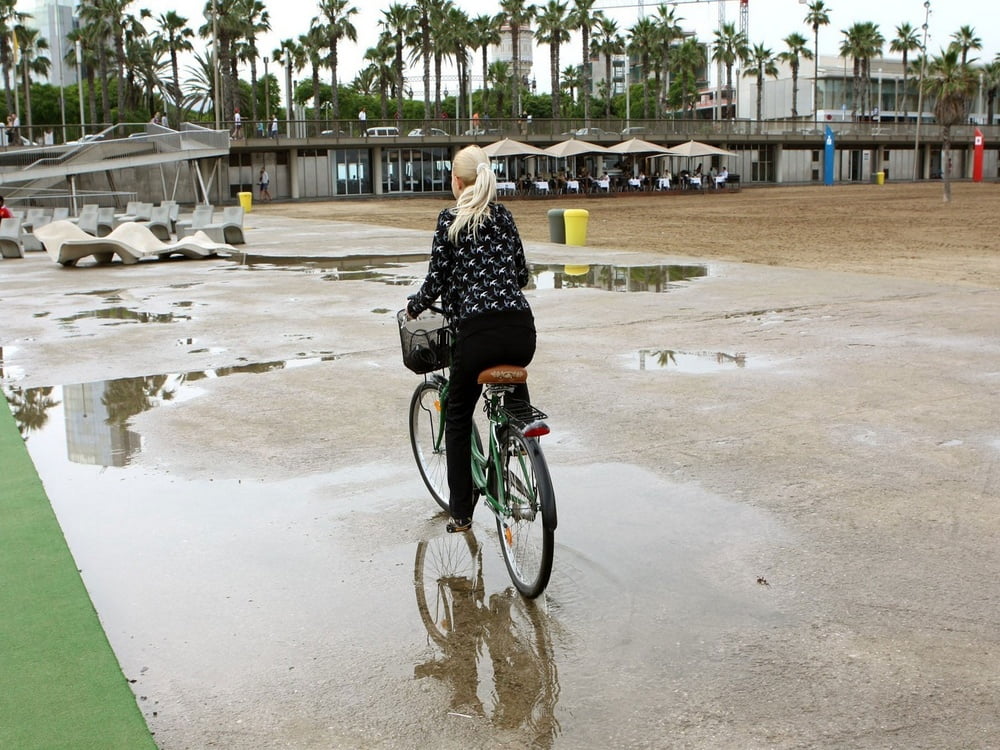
point(482, 131)
point(592, 132)
point(427, 131)
point(333, 132)
point(634, 130)
point(89, 138)
point(382, 132)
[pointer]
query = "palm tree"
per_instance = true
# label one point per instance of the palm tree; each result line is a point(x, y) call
point(453, 33)
point(380, 59)
point(905, 42)
point(256, 21)
point(313, 42)
point(861, 43)
point(583, 17)
point(670, 31)
point(796, 51)
point(423, 10)
point(229, 28)
point(485, 31)
point(952, 84)
point(644, 41)
point(572, 81)
point(338, 27)
point(85, 36)
point(991, 86)
point(498, 74)
point(817, 16)
point(174, 37)
point(553, 30)
point(730, 48)
point(517, 15)
point(608, 42)
point(96, 29)
point(10, 18)
point(965, 39)
point(31, 45)
point(762, 63)
point(200, 84)
point(292, 55)
point(687, 59)
point(397, 20)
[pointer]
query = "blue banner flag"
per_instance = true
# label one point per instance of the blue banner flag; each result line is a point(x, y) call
point(828, 153)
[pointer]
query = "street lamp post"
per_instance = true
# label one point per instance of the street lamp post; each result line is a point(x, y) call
point(215, 65)
point(920, 92)
point(267, 92)
point(79, 86)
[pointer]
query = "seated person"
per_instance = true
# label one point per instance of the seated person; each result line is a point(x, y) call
point(720, 179)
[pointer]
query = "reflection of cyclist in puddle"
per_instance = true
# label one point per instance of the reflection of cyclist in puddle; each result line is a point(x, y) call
point(465, 623)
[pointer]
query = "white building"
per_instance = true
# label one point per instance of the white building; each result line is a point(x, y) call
point(54, 20)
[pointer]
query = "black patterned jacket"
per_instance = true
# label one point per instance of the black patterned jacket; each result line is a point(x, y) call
point(473, 278)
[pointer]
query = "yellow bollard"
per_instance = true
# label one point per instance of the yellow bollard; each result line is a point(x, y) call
point(246, 201)
point(576, 226)
point(880, 178)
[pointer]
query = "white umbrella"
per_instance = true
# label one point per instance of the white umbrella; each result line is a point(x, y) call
point(508, 147)
point(574, 147)
point(638, 146)
point(697, 148)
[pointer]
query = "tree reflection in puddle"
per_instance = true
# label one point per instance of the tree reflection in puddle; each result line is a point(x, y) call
point(97, 415)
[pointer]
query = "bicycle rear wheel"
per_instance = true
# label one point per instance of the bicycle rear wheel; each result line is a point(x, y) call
point(526, 537)
point(427, 440)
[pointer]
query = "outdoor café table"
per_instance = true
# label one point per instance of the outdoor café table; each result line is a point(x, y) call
point(506, 188)
point(573, 185)
point(634, 183)
point(663, 183)
point(541, 186)
point(720, 182)
point(696, 182)
point(604, 184)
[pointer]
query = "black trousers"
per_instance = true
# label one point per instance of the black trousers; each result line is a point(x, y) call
point(488, 340)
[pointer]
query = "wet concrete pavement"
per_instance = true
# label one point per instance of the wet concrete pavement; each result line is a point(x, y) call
point(777, 493)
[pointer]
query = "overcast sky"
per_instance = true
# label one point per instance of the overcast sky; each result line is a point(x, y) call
point(770, 22)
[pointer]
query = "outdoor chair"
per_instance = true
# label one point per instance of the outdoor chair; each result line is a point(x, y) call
point(230, 229)
point(10, 238)
point(159, 223)
point(105, 221)
point(201, 217)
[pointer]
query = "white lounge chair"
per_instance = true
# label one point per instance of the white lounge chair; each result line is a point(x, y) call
point(67, 244)
point(105, 221)
point(201, 217)
point(230, 229)
point(159, 223)
point(10, 238)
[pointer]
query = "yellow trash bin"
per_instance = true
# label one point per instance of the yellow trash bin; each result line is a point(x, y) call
point(246, 201)
point(880, 178)
point(576, 225)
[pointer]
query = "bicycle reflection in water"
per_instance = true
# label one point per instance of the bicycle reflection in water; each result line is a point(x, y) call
point(501, 639)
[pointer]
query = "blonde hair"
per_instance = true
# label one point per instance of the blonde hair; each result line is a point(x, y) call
point(472, 166)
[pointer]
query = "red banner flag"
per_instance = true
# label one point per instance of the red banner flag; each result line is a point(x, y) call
point(977, 158)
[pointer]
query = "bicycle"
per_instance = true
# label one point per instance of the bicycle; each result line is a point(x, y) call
point(509, 474)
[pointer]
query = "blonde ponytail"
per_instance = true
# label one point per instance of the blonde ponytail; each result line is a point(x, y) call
point(472, 166)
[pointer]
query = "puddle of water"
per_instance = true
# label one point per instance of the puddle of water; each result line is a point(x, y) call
point(691, 362)
point(9, 372)
point(639, 278)
point(96, 416)
point(119, 315)
point(644, 278)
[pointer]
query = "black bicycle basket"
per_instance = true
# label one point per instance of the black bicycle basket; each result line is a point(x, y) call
point(426, 342)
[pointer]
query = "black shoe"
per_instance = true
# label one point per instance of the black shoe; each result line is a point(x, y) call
point(459, 524)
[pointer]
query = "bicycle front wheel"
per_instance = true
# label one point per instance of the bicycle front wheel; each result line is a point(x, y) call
point(427, 440)
point(526, 538)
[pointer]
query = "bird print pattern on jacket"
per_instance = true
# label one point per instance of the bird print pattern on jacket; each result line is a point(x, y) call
point(475, 276)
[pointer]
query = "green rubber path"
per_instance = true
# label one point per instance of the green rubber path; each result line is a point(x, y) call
point(60, 683)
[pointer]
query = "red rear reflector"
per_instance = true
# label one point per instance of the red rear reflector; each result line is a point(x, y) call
point(536, 429)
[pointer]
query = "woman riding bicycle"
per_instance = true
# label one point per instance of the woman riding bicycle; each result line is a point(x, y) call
point(477, 268)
